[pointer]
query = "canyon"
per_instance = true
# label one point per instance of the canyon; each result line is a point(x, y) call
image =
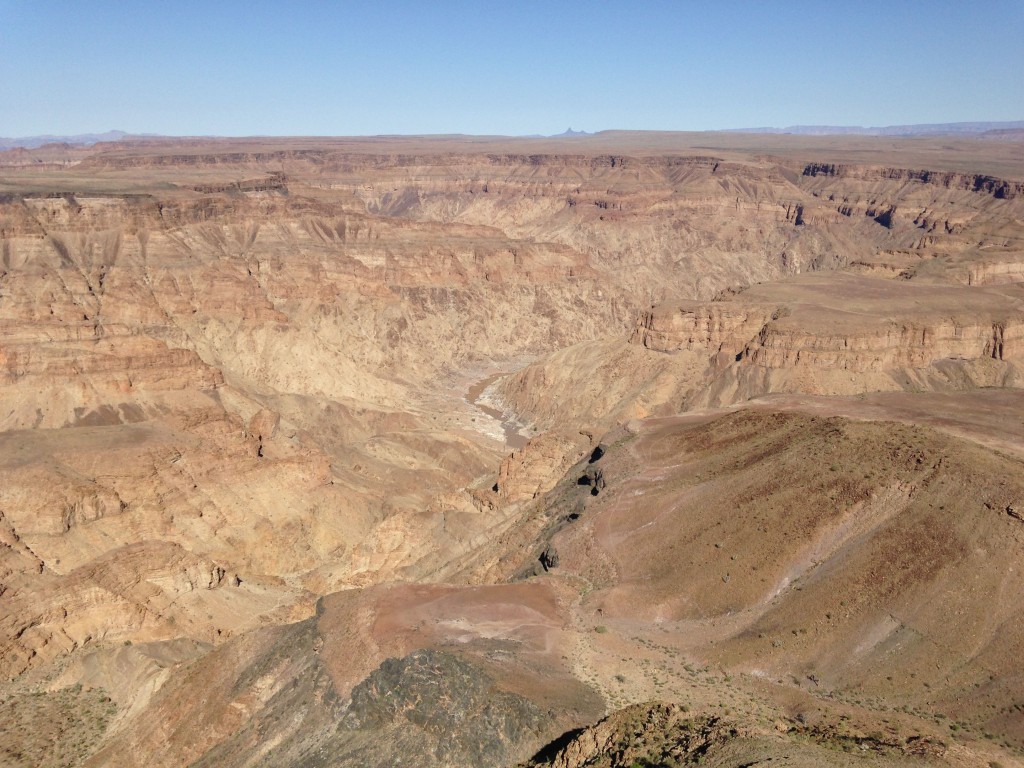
point(616, 449)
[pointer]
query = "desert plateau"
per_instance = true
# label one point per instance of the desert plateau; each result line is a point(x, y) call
point(620, 449)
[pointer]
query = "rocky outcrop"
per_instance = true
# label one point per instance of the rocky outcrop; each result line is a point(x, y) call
point(433, 708)
point(548, 558)
point(129, 594)
point(274, 182)
point(704, 327)
point(641, 734)
point(406, 674)
point(593, 479)
point(532, 470)
point(899, 345)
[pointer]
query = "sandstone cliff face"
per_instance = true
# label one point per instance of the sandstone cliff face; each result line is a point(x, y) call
point(268, 263)
point(998, 188)
point(711, 328)
point(906, 334)
point(900, 345)
point(527, 473)
point(644, 218)
point(997, 273)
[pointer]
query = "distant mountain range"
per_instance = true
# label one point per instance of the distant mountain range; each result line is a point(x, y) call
point(923, 129)
point(1013, 129)
point(85, 139)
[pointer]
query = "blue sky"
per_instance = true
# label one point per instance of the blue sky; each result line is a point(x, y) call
point(356, 68)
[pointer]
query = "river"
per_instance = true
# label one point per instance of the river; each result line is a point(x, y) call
point(514, 438)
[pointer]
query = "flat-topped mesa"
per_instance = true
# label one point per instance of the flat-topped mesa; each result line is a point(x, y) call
point(865, 325)
point(184, 159)
point(713, 327)
point(341, 160)
point(894, 343)
point(1002, 189)
point(275, 181)
point(996, 272)
point(816, 334)
point(858, 325)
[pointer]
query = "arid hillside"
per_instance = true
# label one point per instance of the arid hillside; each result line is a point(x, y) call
point(321, 451)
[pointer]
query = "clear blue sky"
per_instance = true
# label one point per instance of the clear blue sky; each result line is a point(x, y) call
point(351, 68)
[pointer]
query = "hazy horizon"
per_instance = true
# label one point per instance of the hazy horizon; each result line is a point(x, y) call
point(966, 128)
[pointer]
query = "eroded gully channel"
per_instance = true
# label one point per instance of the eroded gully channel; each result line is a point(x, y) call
point(511, 429)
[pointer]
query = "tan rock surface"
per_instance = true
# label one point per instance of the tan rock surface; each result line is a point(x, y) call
point(234, 377)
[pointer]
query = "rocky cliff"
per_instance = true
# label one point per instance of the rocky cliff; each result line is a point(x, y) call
point(839, 335)
point(989, 185)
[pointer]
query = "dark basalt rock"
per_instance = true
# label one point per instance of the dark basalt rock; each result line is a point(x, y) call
point(433, 707)
point(549, 558)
